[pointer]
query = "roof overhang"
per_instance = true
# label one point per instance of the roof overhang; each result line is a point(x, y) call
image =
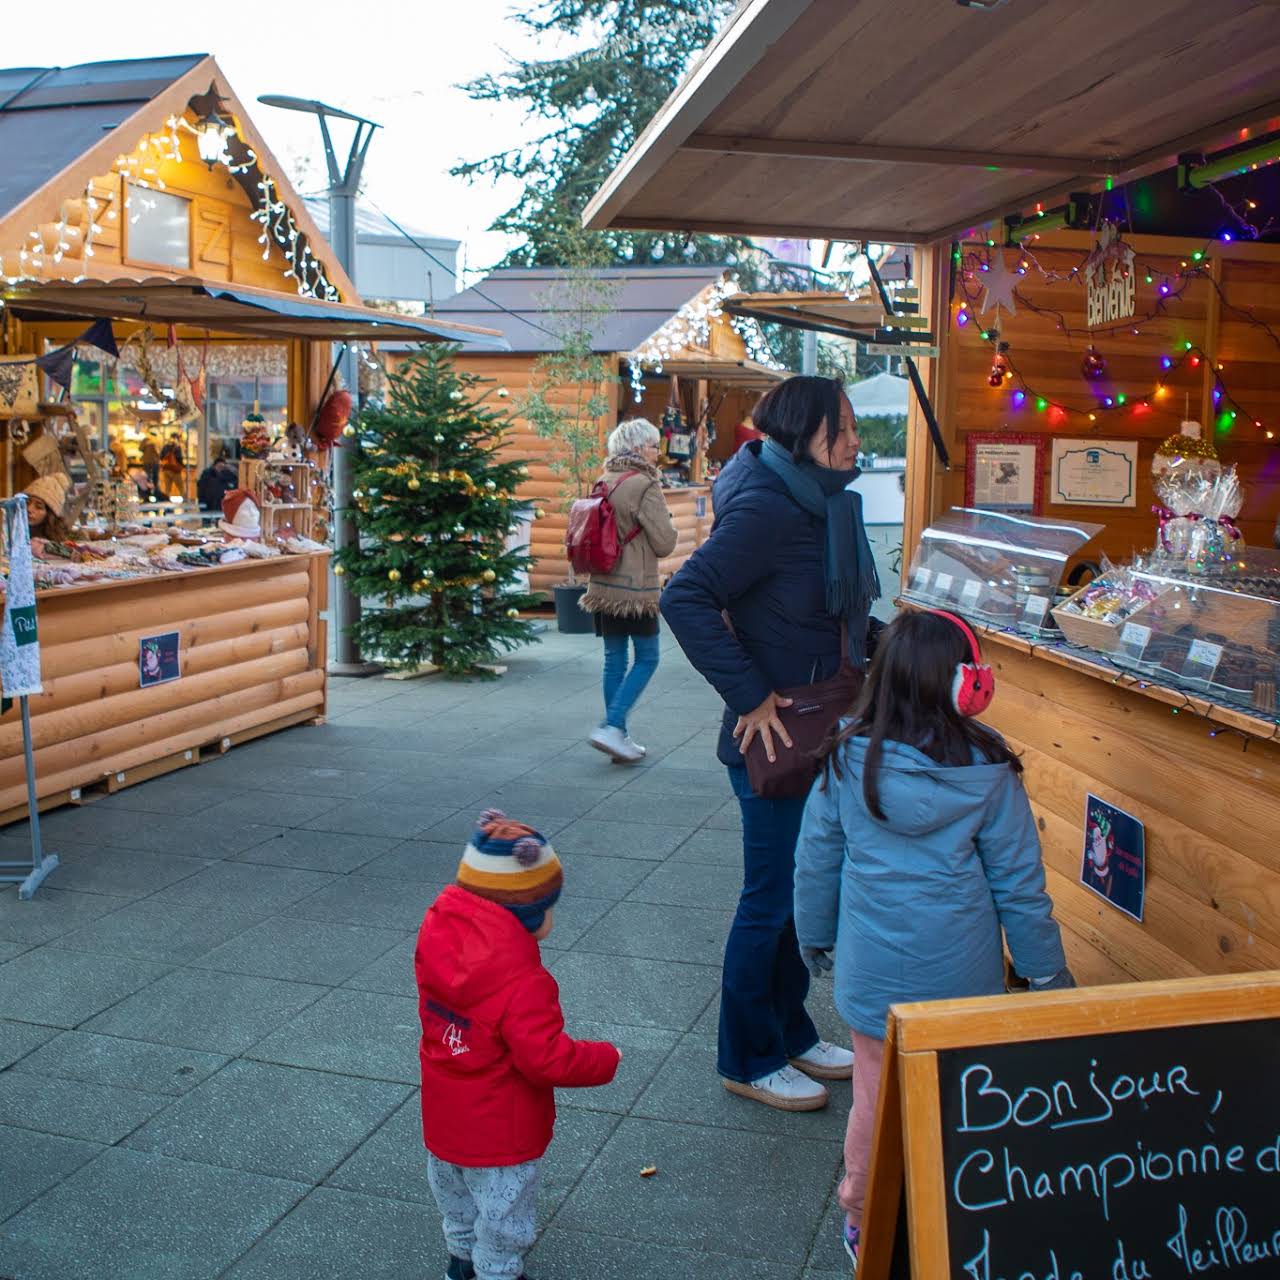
point(240, 309)
point(913, 121)
point(823, 312)
point(738, 373)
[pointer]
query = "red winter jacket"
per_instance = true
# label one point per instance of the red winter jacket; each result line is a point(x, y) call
point(493, 1044)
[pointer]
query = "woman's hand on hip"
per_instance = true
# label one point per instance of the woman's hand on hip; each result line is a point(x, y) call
point(763, 721)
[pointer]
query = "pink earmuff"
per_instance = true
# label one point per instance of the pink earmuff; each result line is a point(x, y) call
point(974, 684)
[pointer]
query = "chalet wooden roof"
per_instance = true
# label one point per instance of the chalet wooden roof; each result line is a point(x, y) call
point(527, 304)
point(62, 126)
point(911, 121)
point(229, 308)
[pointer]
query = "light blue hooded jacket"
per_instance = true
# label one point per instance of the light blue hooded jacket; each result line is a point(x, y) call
point(914, 905)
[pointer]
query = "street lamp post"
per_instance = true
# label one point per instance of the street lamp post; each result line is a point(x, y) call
point(344, 184)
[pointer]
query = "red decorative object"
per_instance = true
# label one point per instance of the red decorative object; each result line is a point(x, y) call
point(335, 413)
point(999, 366)
point(1094, 365)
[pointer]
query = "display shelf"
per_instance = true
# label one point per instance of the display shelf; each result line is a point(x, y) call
point(993, 567)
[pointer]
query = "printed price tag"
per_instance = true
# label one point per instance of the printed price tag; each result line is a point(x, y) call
point(1134, 639)
point(1035, 610)
point(921, 580)
point(969, 595)
point(942, 585)
point(1202, 660)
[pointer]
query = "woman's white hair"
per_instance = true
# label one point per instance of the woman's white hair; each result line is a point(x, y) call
point(631, 436)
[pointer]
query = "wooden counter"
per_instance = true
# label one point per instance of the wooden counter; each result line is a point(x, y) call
point(1203, 779)
point(253, 656)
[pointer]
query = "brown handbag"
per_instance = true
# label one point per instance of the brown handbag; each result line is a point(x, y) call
point(809, 720)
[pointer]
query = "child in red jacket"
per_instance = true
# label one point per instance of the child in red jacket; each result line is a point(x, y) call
point(493, 1046)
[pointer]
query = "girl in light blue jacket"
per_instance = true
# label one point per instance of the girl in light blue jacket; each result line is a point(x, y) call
point(918, 846)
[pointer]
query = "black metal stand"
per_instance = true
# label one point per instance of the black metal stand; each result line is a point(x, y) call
point(29, 876)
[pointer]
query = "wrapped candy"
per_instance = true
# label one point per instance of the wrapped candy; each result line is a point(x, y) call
point(1198, 521)
point(1186, 453)
point(1112, 597)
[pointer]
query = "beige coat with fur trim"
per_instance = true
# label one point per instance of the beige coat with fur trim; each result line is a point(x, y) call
point(631, 590)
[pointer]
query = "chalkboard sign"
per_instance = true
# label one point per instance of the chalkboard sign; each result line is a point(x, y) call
point(1112, 1133)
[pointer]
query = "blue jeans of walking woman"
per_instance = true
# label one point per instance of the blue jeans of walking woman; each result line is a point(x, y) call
point(622, 685)
point(762, 1015)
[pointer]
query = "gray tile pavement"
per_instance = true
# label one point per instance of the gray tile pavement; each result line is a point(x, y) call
point(208, 1019)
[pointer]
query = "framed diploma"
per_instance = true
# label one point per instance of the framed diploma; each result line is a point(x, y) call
point(1094, 473)
point(1004, 472)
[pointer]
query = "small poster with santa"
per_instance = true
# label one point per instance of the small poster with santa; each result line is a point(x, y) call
point(158, 660)
point(1115, 856)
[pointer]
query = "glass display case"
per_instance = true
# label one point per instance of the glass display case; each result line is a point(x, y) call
point(995, 567)
point(1215, 632)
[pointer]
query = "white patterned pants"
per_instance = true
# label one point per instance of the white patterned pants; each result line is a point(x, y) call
point(490, 1215)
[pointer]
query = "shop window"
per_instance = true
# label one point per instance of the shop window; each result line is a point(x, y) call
point(158, 228)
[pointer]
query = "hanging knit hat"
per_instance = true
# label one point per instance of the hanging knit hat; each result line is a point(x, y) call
point(51, 490)
point(513, 865)
point(240, 517)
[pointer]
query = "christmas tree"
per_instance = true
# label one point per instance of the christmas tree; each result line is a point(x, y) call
point(433, 508)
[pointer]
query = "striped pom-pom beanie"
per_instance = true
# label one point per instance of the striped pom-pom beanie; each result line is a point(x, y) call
point(513, 865)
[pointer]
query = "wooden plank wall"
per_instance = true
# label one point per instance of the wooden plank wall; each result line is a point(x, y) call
point(1050, 364)
point(543, 487)
point(1210, 805)
point(252, 652)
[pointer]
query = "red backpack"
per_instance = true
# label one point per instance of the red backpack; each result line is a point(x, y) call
point(592, 539)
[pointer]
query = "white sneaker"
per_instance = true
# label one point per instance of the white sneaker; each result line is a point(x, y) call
point(826, 1061)
point(635, 746)
point(613, 742)
point(787, 1089)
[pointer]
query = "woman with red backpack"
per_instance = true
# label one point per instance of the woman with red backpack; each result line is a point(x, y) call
point(625, 599)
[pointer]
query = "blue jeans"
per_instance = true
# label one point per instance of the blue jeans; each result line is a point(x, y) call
point(622, 688)
point(762, 1015)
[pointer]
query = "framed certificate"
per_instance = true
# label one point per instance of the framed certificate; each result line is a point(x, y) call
point(1094, 473)
point(1004, 472)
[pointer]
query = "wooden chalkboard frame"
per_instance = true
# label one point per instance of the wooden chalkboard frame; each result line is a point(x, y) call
point(907, 1150)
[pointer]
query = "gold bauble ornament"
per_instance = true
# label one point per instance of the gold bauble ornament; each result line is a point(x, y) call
point(338, 570)
point(434, 477)
point(394, 575)
point(538, 513)
point(348, 431)
point(489, 576)
point(415, 483)
point(513, 613)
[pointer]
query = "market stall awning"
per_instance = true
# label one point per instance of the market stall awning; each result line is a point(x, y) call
point(883, 395)
point(738, 373)
point(836, 313)
point(228, 308)
point(910, 121)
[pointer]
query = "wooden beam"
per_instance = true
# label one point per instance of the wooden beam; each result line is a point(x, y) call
point(754, 26)
point(870, 153)
point(743, 227)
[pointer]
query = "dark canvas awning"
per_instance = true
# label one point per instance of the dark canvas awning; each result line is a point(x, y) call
point(227, 308)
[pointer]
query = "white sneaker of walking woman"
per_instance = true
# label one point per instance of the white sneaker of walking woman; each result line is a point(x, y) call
point(792, 1089)
point(613, 742)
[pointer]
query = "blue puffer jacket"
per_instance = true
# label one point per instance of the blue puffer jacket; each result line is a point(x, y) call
point(914, 905)
point(763, 565)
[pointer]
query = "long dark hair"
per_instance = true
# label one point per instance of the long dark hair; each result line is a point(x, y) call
point(907, 698)
point(794, 410)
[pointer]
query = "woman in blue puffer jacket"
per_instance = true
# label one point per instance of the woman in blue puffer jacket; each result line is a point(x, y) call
point(918, 848)
point(788, 564)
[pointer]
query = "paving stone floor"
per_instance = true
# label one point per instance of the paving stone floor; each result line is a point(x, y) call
point(208, 1030)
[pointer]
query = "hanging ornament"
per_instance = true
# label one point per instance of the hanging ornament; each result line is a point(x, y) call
point(999, 366)
point(1094, 364)
point(459, 528)
point(999, 285)
point(348, 431)
point(489, 576)
point(415, 483)
point(502, 393)
point(513, 613)
point(394, 575)
point(455, 394)
point(491, 485)
point(338, 570)
point(438, 437)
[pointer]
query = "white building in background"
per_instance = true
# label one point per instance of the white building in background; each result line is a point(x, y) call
point(391, 267)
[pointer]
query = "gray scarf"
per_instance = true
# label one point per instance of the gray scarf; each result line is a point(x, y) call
point(852, 582)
